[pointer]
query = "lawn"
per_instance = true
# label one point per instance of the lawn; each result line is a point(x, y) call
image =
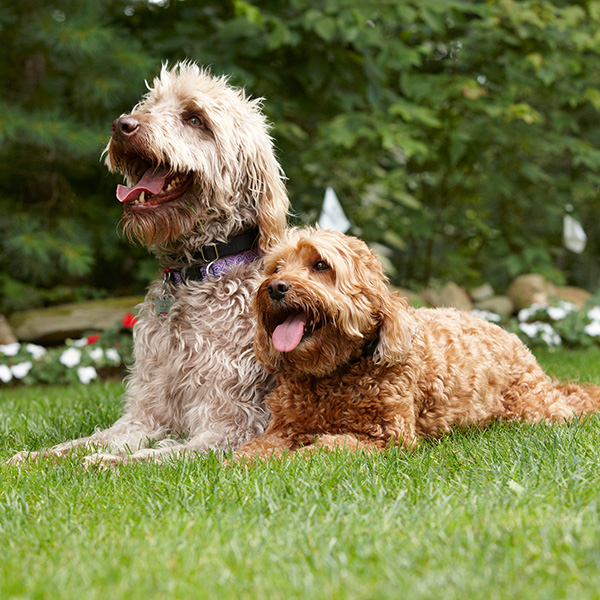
point(508, 512)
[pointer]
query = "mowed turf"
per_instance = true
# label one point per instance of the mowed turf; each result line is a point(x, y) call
point(508, 512)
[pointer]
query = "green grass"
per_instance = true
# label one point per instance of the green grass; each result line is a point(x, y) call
point(509, 512)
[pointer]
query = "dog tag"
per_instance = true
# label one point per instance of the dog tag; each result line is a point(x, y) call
point(162, 305)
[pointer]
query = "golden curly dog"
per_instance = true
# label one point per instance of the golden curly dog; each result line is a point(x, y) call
point(358, 367)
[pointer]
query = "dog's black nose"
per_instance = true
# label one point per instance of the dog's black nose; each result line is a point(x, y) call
point(123, 127)
point(278, 289)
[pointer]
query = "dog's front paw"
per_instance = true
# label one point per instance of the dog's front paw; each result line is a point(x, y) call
point(251, 456)
point(23, 457)
point(103, 461)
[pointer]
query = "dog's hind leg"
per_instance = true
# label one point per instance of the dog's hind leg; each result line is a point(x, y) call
point(550, 402)
point(346, 441)
point(265, 446)
point(275, 446)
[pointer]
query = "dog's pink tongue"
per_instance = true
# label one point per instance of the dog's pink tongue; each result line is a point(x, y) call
point(152, 181)
point(288, 335)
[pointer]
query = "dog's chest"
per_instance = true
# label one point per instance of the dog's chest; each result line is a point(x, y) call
point(203, 323)
point(336, 405)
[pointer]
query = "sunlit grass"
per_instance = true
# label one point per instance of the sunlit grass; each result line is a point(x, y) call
point(508, 512)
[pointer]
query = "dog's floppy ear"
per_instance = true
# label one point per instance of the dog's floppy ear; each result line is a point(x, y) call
point(397, 327)
point(271, 201)
point(264, 180)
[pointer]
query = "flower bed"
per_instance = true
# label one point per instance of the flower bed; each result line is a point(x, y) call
point(105, 355)
point(96, 356)
point(558, 325)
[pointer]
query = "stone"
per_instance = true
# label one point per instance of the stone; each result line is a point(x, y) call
point(501, 305)
point(526, 290)
point(6, 333)
point(431, 298)
point(54, 325)
point(575, 295)
point(455, 296)
point(529, 289)
point(481, 293)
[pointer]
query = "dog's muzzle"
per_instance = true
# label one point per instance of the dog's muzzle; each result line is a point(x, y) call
point(124, 127)
point(278, 289)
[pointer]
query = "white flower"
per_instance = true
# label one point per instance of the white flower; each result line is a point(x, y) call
point(556, 313)
point(5, 373)
point(527, 313)
point(593, 328)
point(19, 371)
point(80, 343)
point(86, 374)
point(113, 356)
point(487, 315)
point(594, 313)
point(96, 354)
point(545, 331)
point(10, 349)
point(550, 336)
point(529, 329)
point(561, 310)
point(36, 351)
point(70, 357)
point(568, 306)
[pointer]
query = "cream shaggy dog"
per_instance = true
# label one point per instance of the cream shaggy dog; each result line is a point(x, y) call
point(358, 367)
point(206, 195)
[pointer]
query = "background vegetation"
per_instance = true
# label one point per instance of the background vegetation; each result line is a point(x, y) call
point(455, 133)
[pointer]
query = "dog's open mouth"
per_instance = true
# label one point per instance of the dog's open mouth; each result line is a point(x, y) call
point(156, 185)
point(292, 328)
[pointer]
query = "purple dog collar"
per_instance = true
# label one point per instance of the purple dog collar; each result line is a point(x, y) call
point(212, 270)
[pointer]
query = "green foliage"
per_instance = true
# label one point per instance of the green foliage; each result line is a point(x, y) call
point(67, 70)
point(454, 132)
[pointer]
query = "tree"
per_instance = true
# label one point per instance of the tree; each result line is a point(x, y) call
point(67, 70)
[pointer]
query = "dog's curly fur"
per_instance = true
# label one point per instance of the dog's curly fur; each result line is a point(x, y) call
point(195, 384)
point(370, 370)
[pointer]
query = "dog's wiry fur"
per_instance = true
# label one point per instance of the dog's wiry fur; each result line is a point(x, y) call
point(195, 383)
point(370, 370)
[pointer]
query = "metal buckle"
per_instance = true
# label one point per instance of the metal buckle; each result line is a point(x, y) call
point(208, 275)
point(207, 259)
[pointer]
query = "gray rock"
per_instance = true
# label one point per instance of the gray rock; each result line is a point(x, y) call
point(6, 333)
point(431, 298)
point(481, 293)
point(501, 305)
point(528, 289)
point(455, 296)
point(572, 294)
point(55, 324)
point(532, 288)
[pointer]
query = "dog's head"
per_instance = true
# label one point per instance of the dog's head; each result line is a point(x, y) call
point(324, 297)
point(198, 163)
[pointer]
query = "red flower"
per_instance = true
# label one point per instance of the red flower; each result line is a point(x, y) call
point(92, 339)
point(128, 321)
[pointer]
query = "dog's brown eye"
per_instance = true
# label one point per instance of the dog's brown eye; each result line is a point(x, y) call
point(194, 120)
point(320, 266)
